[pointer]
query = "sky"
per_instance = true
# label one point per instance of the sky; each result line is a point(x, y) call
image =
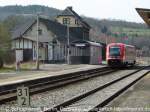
point(99, 9)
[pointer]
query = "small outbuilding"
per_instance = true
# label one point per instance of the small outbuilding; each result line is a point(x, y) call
point(85, 52)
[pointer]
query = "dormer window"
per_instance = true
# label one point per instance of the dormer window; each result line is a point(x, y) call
point(66, 21)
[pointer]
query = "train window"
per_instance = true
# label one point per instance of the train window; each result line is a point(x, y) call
point(114, 51)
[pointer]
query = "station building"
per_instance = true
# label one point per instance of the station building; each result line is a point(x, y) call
point(52, 37)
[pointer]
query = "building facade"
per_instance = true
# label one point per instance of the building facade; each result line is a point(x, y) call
point(52, 37)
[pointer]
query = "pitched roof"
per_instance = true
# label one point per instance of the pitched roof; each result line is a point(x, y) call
point(56, 28)
point(66, 12)
point(19, 30)
point(61, 30)
point(70, 12)
point(145, 14)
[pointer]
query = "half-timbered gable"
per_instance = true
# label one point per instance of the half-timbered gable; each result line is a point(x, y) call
point(70, 18)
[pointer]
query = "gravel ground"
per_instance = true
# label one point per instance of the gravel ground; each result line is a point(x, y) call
point(100, 96)
point(137, 97)
point(57, 96)
point(60, 95)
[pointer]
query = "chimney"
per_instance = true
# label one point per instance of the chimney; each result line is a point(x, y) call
point(69, 7)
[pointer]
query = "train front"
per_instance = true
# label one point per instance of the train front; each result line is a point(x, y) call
point(114, 54)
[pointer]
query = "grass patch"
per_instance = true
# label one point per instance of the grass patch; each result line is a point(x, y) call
point(28, 65)
point(24, 67)
point(7, 69)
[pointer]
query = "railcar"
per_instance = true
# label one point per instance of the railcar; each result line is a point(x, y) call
point(119, 54)
point(86, 52)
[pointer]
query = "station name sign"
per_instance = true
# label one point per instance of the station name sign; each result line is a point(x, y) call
point(80, 45)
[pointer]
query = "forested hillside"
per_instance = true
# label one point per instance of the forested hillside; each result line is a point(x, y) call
point(31, 9)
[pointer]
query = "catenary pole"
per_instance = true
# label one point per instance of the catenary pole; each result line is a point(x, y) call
point(37, 44)
point(68, 45)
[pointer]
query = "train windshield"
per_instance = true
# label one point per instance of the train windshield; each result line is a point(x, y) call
point(114, 51)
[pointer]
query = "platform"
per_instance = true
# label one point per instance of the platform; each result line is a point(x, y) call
point(46, 70)
point(136, 99)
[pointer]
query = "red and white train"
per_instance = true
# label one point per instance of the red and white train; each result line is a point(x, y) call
point(119, 54)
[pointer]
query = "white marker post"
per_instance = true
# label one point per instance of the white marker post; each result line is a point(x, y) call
point(23, 97)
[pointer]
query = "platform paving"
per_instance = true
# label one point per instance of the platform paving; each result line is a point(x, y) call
point(46, 70)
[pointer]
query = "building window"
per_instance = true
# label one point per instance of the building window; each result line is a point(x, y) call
point(66, 21)
point(40, 31)
point(76, 22)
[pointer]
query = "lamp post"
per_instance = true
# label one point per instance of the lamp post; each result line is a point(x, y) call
point(106, 39)
point(68, 45)
point(37, 44)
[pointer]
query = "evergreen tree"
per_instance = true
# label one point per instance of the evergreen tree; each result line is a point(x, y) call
point(4, 44)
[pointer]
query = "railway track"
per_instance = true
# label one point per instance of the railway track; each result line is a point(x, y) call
point(89, 101)
point(8, 92)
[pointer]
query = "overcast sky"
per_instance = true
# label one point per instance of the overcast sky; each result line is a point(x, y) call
point(101, 9)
